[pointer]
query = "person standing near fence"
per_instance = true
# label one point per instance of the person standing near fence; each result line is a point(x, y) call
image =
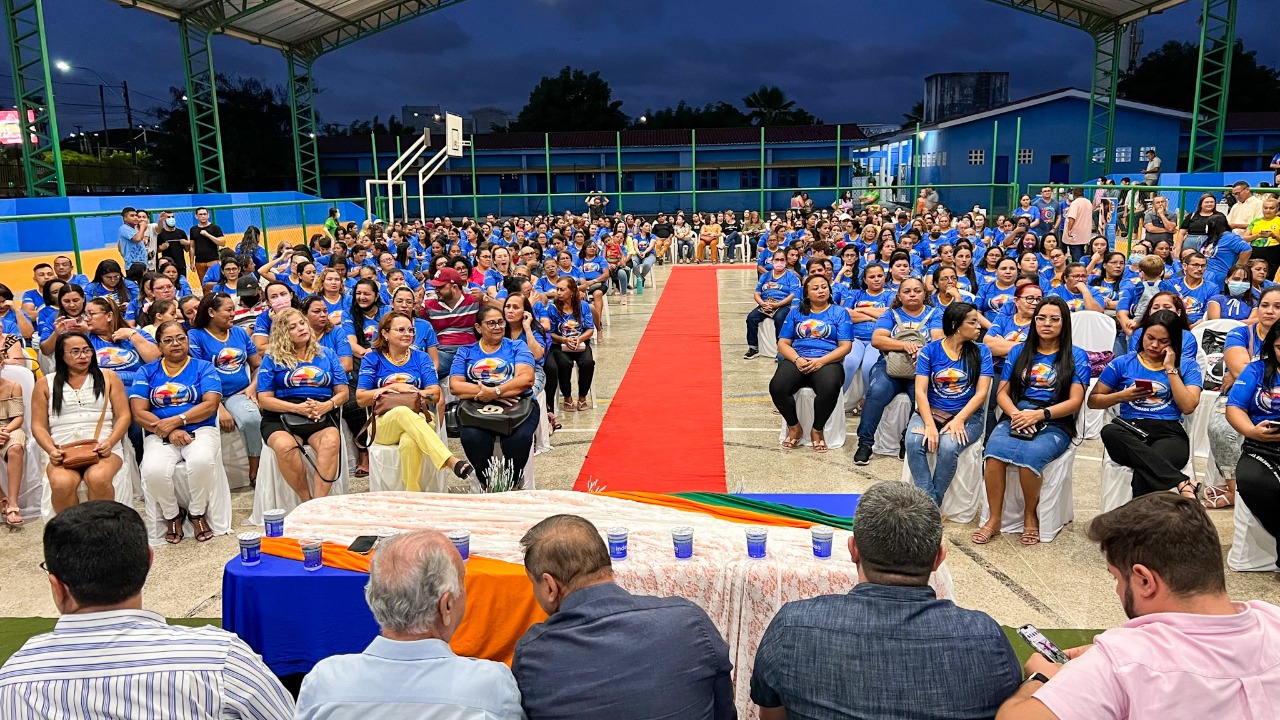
point(1079, 229)
point(206, 240)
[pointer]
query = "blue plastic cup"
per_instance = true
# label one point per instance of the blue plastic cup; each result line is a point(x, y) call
point(250, 548)
point(682, 537)
point(756, 538)
point(461, 540)
point(312, 553)
point(822, 537)
point(617, 543)
point(273, 523)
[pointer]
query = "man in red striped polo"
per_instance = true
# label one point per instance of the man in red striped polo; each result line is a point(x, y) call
point(452, 314)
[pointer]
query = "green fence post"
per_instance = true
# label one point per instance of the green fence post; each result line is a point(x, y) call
point(618, 139)
point(693, 166)
point(915, 168)
point(995, 149)
point(475, 201)
point(302, 208)
point(1017, 150)
point(838, 127)
point(75, 245)
point(763, 171)
point(546, 146)
point(372, 212)
point(262, 218)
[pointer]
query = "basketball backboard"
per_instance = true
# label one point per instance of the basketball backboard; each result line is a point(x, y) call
point(453, 134)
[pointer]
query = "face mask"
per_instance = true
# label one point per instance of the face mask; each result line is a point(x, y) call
point(170, 222)
point(279, 303)
point(935, 235)
point(1028, 243)
point(779, 265)
point(1237, 287)
point(1136, 258)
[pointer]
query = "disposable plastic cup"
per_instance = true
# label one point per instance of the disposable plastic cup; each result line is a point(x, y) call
point(250, 548)
point(617, 542)
point(312, 553)
point(756, 538)
point(461, 540)
point(682, 538)
point(822, 537)
point(273, 523)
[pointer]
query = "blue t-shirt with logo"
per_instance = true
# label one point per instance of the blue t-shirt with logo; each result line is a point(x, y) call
point(817, 333)
point(424, 336)
point(867, 299)
point(950, 384)
point(1249, 394)
point(313, 379)
point(591, 269)
point(336, 341)
point(1220, 256)
point(1196, 300)
point(377, 370)
point(1044, 374)
point(992, 298)
point(1075, 301)
point(1121, 373)
point(230, 357)
point(1007, 327)
point(927, 320)
point(370, 325)
point(173, 395)
point(491, 369)
point(1233, 308)
point(775, 289)
point(570, 326)
point(118, 356)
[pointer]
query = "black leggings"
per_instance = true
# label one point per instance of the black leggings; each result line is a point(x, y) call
point(551, 370)
point(1258, 482)
point(478, 445)
point(826, 383)
point(1156, 462)
point(564, 368)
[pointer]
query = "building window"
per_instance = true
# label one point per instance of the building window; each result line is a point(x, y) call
point(1025, 155)
point(977, 157)
point(434, 186)
point(1124, 154)
point(826, 176)
point(708, 179)
point(509, 184)
point(749, 179)
point(586, 182)
point(942, 158)
point(664, 181)
point(788, 178)
point(466, 184)
point(537, 184)
point(1142, 152)
point(628, 182)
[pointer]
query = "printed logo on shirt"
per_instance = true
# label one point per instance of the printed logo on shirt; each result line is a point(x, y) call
point(1158, 400)
point(951, 382)
point(813, 328)
point(307, 376)
point(170, 394)
point(570, 328)
point(771, 286)
point(399, 377)
point(590, 267)
point(229, 361)
point(998, 301)
point(868, 304)
point(1043, 375)
point(114, 357)
point(490, 371)
point(1076, 304)
point(1265, 400)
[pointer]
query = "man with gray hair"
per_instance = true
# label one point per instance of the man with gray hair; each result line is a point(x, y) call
point(417, 596)
point(889, 648)
point(605, 653)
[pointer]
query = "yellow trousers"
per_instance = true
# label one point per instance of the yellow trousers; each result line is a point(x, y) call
point(416, 438)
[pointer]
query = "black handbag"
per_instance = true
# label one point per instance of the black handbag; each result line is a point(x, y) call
point(494, 417)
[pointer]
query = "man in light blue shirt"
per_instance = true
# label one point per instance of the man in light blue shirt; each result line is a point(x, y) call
point(417, 596)
point(132, 239)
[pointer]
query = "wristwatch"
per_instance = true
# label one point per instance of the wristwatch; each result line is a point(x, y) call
point(1047, 414)
point(183, 418)
point(497, 392)
point(1041, 677)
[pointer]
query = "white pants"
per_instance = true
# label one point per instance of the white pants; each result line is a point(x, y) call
point(160, 470)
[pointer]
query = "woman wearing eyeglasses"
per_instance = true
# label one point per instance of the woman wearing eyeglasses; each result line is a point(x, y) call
point(176, 400)
point(66, 407)
point(217, 340)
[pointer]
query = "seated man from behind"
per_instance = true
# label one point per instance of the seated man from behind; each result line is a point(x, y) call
point(605, 653)
point(1187, 651)
point(417, 596)
point(107, 658)
point(889, 648)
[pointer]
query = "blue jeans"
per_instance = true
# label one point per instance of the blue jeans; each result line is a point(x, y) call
point(880, 392)
point(756, 316)
point(944, 470)
point(642, 267)
point(684, 249)
point(861, 358)
point(446, 353)
point(731, 244)
point(248, 422)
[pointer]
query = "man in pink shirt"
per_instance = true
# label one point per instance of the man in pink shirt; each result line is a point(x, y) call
point(1079, 224)
point(1188, 651)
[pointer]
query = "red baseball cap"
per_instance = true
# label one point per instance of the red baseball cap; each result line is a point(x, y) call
point(446, 276)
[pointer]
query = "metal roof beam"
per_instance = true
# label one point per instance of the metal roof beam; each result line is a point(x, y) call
point(375, 21)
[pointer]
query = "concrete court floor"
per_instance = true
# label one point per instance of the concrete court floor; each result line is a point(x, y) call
point(1063, 584)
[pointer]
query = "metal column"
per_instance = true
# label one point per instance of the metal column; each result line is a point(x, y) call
point(202, 108)
point(1213, 78)
point(302, 97)
point(1102, 101)
point(33, 93)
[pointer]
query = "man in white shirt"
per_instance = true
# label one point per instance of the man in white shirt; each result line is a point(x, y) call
point(1248, 207)
point(107, 658)
point(417, 595)
point(1188, 651)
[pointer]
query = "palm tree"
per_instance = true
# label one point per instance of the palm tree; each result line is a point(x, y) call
point(768, 105)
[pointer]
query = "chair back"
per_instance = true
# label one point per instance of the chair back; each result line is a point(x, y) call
point(1093, 331)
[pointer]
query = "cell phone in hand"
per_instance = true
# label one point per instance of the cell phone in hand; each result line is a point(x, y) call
point(1042, 644)
point(1143, 385)
point(1271, 425)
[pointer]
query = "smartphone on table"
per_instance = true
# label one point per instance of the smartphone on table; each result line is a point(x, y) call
point(1042, 644)
point(363, 544)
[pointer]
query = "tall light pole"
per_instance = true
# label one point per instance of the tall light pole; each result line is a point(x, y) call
point(67, 67)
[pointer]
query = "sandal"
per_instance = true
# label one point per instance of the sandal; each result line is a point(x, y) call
point(204, 533)
point(1030, 537)
point(173, 530)
point(555, 424)
point(462, 469)
point(1189, 486)
point(1217, 497)
point(361, 473)
point(569, 406)
point(582, 405)
point(790, 443)
point(819, 446)
point(12, 514)
point(982, 536)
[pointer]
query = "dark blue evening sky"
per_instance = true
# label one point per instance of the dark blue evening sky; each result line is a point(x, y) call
point(842, 60)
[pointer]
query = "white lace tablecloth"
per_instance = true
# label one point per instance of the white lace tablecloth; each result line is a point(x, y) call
point(740, 594)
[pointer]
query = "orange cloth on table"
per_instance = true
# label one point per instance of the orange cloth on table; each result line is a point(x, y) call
point(737, 515)
point(500, 602)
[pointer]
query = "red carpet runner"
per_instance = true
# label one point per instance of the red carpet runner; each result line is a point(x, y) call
point(664, 430)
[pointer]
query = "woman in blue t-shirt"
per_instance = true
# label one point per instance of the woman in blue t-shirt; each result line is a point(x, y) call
point(395, 366)
point(993, 296)
point(595, 271)
point(301, 387)
point(953, 377)
point(1041, 389)
point(865, 308)
point(572, 330)
point(812, 342)
point(523, 325)
point(1154, 387)
point(1253, 409)
point(1237, 300)
point(910, 311)
point(217, 339)
point(176, 400)
point(496, 369)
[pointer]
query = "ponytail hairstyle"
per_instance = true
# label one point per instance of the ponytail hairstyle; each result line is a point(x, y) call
point(952, 318)
point(1064, 364)
point(805, 305)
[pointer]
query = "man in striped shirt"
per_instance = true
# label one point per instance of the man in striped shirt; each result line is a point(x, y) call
point(109, 659)
point(452, 314)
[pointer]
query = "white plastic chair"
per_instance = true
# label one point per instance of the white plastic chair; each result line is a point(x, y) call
point(768, 338)
point(273, 492)
point(1198, 423)
point(1253, 549)
point(542, 439)
point(1092, 332)
point(1057, 504)
point(1117, 481)
point(384, 471)
point(834, 432)
point(854, 394)
point(122, 484)
point(218, 512)
point(888, 437)
point(28, 499)
point(235, 460)
point(964, 496)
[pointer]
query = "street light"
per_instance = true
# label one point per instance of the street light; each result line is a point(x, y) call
point(66, 67)
point(63, 65)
